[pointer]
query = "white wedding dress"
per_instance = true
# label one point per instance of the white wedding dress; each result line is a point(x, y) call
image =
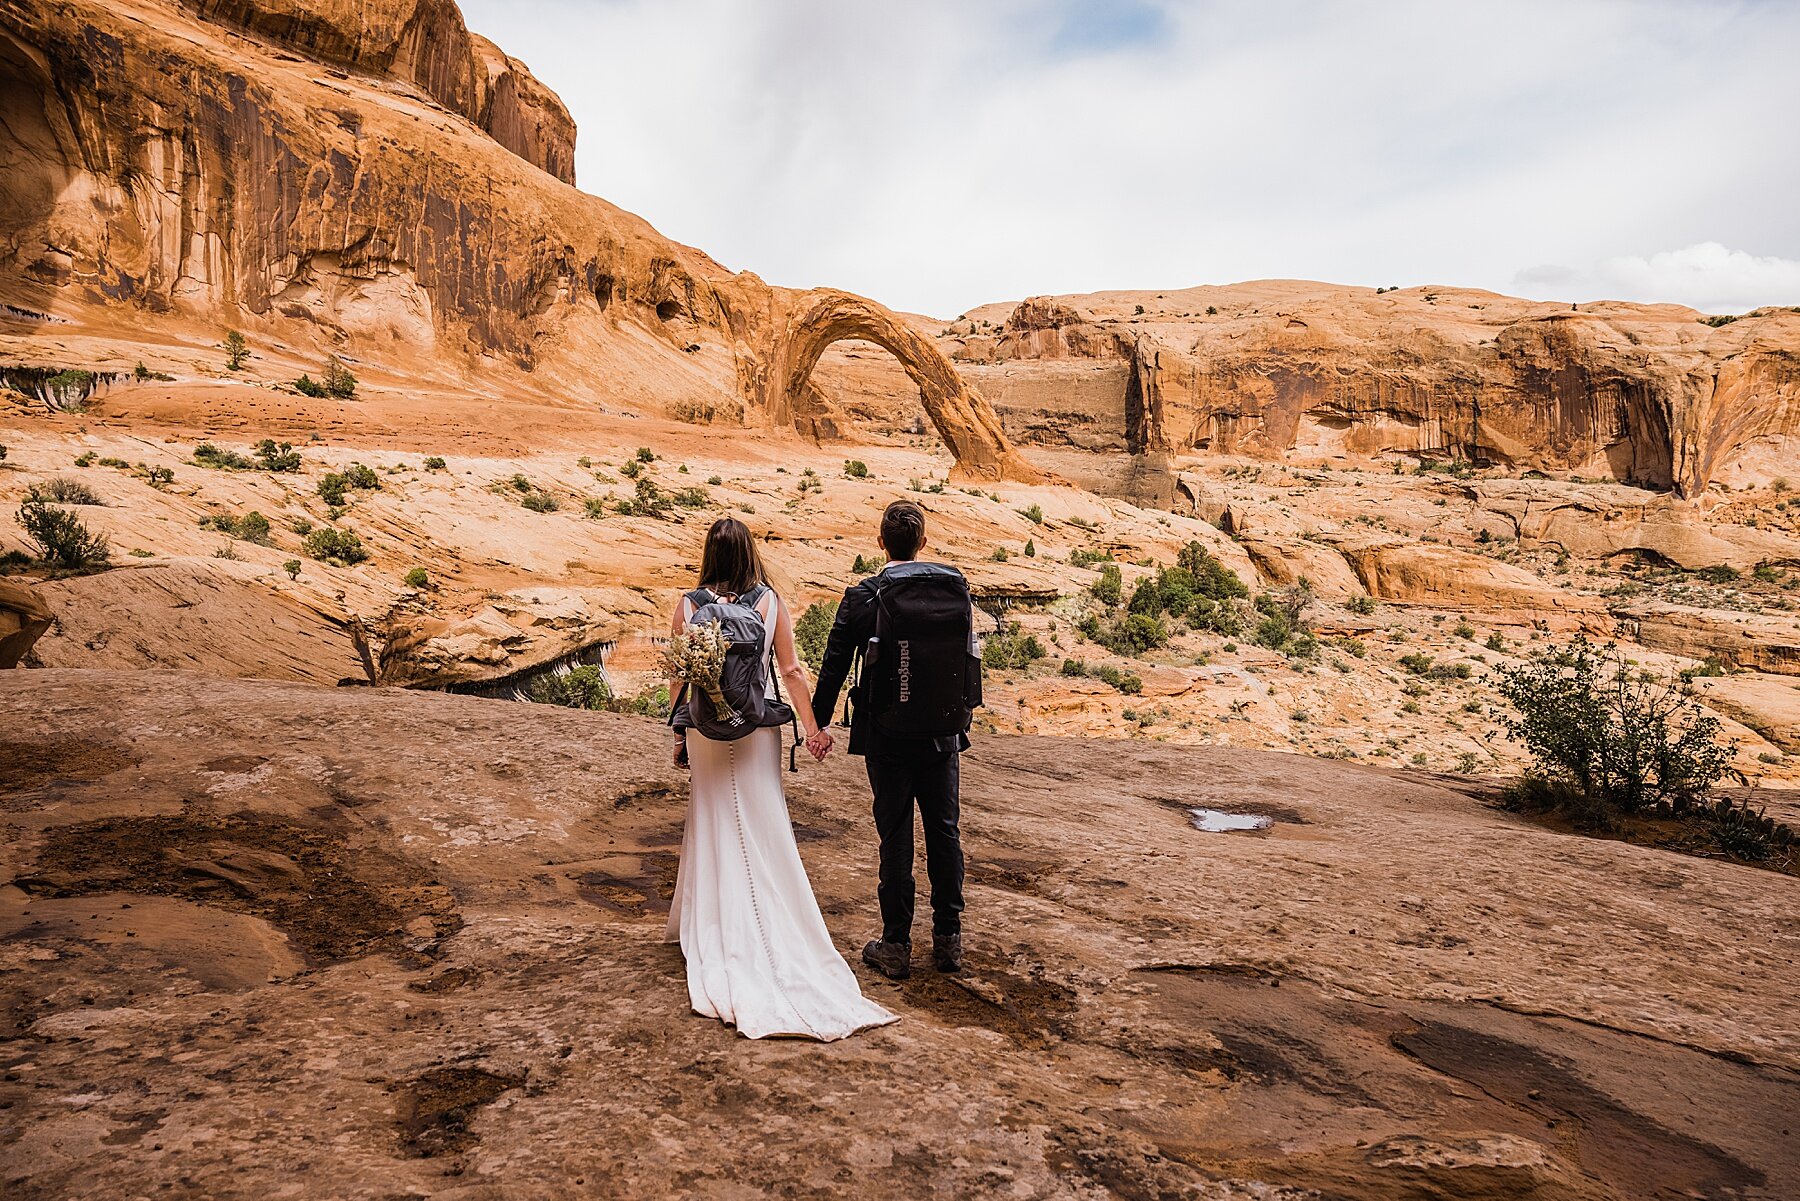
point(758, 954)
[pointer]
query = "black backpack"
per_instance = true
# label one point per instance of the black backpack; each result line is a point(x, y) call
point(920, 678)
point(745, 677)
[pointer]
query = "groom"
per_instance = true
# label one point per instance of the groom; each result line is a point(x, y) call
point(909, 719)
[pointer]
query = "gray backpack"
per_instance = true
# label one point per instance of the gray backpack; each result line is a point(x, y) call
point(746, 675)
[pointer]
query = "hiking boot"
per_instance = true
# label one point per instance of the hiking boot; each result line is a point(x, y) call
point(891, 959)
point(946, 952)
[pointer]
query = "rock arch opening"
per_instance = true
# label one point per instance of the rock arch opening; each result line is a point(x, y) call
point(962, 416)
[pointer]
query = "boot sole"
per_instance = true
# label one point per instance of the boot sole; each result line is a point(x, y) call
point(904, 973)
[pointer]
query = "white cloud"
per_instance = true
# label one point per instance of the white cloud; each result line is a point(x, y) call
point(1705, 276)
point(939, 154)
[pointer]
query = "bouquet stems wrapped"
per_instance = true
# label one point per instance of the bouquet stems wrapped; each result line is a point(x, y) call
point(697, 656)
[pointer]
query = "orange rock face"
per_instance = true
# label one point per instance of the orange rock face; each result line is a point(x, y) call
point(201, 165)
point(1646, 394)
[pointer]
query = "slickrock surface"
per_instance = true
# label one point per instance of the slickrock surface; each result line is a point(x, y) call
point(273, 940)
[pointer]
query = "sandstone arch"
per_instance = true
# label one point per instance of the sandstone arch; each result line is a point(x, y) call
point(963, 417)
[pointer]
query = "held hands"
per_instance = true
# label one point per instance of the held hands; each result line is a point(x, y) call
point(819, 743)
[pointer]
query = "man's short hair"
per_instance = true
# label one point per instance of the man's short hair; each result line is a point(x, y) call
point(902, 529)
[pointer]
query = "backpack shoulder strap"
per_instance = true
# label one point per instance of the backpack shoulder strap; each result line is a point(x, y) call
point(701, 597)
point(754, 596)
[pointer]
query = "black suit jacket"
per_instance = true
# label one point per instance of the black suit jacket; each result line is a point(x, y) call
point(850, 633)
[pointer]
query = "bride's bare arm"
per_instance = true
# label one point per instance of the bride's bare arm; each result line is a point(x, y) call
point(793, 673)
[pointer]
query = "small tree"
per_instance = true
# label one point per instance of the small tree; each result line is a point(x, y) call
point(1624, 739)
point(338, 381)
point(292, 567)
point(62, 538)
point(811, 631)
point(418, 577)
point(237, 351)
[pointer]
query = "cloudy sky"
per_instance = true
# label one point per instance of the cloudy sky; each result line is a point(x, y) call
point(939, 154)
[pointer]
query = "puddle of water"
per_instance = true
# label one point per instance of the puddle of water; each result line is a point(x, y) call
point(1217, 821)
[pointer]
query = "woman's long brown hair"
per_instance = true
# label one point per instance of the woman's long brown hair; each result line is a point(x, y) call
point(730, 564)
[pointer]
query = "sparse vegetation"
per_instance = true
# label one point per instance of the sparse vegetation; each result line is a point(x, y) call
point(63, 492)
point(219, 459)
point(278, 457)
point(434, 463)
point(856, 469)
point(540, 502)
point(1033, 513)
point(292, 567)
point(338, 382)
point(237, 351)
point(868, 566)
point(1361, 605)
point(418, 577)
point(645, 455)
point(251, 527)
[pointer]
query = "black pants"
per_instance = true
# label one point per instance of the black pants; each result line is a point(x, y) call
point(931, 779)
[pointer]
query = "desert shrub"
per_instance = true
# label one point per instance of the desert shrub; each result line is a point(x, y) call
point(581, 687)
point(691, 498)
point(292, 567)
point(631, 469)
point(1010, 648)
point(63, 492)
point(594, 507)
point(341, 548)
point(1074, 667)
point(1033, 513)
point(237, 351)
point(645, 455)
point(157, 477)
point(277, 457)
point(1211, 578)
point(208, 455)
point(868, 566)
point(1087, 558)
point(520, 484)
point(715, 480)
point(251, 527)
point(225, 552)
point(85, 459)
point(307, 386)
point(540, 502)
point(1128, 634)
point(1218, 616)
point(651, 501)
point(1416, 663)
point(1000, 555)
point(143, 374)
point(337, 380)
point(359, 476)
point(434, 463)
point(1464, 630)
point(1110, 587)
point(856, 469)
point(810, 482)
point(1450, 671)
point(119, 464)
point(418, 577)
point(332, 489)
point(1623, 739)
point(1030, 549)
point(2, 454)
point(1363, 605)
point(1720, 574)
point(1495, 642)
point(812, 629)
point(63, 540)
point(1126, 682)
point(301, 526)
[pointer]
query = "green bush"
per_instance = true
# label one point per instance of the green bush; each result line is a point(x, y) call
point(63, 492)
point(645, 455)
point(540, 502)
point(1033, 513)
point(651, 501)
point(341, 548)
point(85, 459)
point(1495, 642)
point(691, 498)
point(62, 538)
point(856, 469)
point(307, 386)
point(1087, 558)
point(1110, 587)
point(812, 629)
point(715, 480)
point(434, 463)
point(1030, 549)
point(1010, 648)
point(1000, 554)
point(359, 476)
point(631, 469)
point(277, 457)
point(1211, 578)
point(292, 567)
point(1146, 598)
point(582, 687)
point(1074, 667)
point(208, 455)
point(332, 488)
point(418, 577)
point(867, 566)
point(1126, 682)
point(1129, 634)
point(594, 507)
point(1622, 739)
point(1416, 663)
point(1364, 605)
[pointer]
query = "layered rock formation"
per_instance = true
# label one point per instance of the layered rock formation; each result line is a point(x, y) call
point(1648, 394)
point(199, 166)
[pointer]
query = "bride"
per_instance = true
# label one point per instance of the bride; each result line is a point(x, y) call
point(758, 954)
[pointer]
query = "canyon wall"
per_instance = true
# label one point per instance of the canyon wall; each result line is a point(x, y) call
point(1648, 394)
point(373, 180)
